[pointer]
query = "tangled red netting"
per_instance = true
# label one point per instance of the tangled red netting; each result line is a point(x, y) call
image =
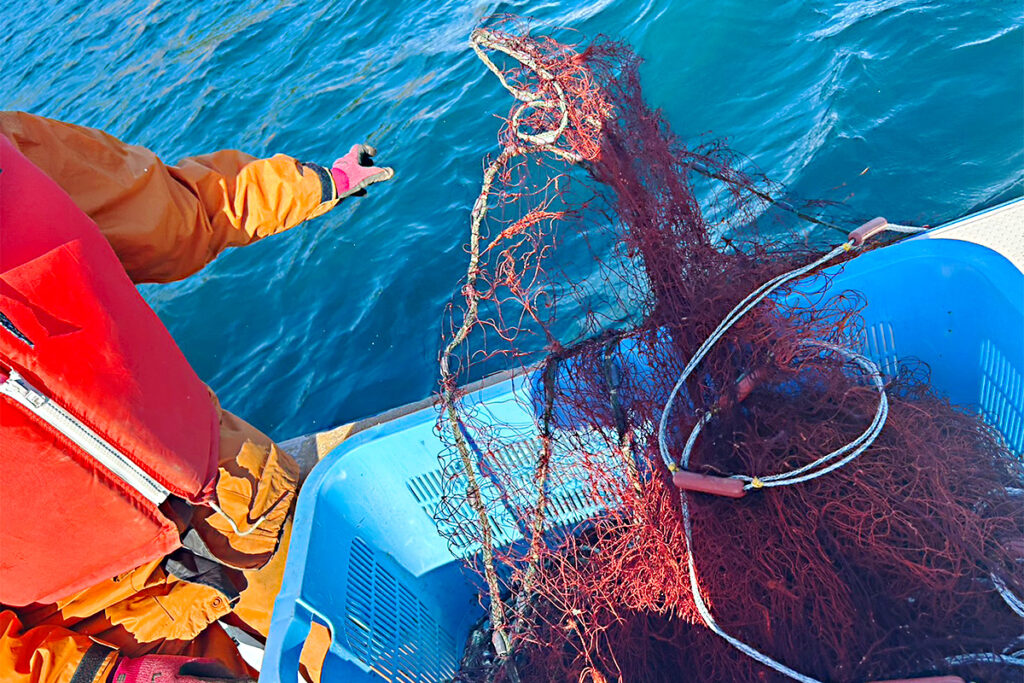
point(635, 287)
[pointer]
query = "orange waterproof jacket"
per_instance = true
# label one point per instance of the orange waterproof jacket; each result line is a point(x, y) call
point(102, 418)
point(165, 223)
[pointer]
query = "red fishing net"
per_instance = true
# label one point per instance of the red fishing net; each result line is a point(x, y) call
point(624, 275)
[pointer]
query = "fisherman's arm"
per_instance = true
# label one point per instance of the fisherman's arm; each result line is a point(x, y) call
point(167, 222)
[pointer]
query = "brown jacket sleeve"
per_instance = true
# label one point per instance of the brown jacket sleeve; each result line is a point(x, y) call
point(50, 654)
point(167, 222)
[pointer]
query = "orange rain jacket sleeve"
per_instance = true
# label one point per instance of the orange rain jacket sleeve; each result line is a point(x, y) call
point(165, 223)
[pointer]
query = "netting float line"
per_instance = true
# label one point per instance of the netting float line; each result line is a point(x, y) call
point(665, 308)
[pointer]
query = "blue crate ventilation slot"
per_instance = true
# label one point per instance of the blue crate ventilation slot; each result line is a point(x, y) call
point(878, 343)
point(389, 629)
point(1001, 388)
point(569, 502)
point(366, 559)
point(426, 489)
point(1000, 382)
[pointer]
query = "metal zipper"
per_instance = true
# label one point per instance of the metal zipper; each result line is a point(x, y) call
point(116, 462)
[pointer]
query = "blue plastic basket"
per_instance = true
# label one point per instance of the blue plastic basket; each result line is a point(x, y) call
point(367, 562)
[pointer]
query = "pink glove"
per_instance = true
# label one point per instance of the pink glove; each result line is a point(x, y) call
point(173, 669)
point(354, 171)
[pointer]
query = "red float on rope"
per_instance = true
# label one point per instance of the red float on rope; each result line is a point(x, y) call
point(704, 483)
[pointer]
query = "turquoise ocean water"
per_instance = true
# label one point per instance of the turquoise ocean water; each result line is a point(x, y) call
point(910, 109)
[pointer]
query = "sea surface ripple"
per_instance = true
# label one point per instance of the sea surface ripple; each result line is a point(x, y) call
point(910, 109)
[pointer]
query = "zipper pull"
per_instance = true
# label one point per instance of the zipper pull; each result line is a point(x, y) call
point(16, 384)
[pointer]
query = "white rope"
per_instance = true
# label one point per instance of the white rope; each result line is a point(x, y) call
point(705, 613)
point(853, 448)
point(987, 658)
point(907, 229)
point(1011, 600)
point(741, 309)
point(805, 473)
point(734, 315)
point(859, 445)
point(542, 141)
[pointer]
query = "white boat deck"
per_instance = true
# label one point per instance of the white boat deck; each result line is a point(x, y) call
point(1000, 228)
